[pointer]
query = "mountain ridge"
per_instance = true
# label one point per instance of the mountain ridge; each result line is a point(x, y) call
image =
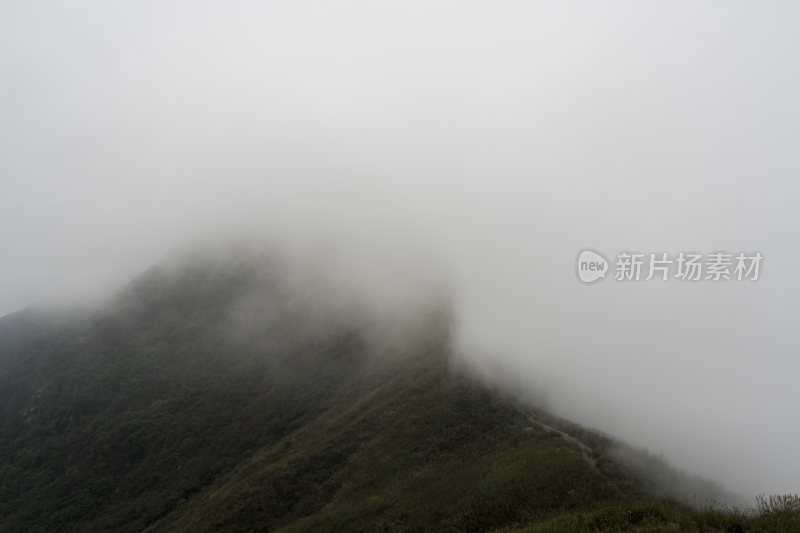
point(215, 394)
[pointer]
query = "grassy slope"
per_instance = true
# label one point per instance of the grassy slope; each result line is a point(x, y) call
point(426, 450)
point(108, 421)
point(149, 416)
point(431, 450)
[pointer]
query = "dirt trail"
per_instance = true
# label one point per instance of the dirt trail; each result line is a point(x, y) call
point(585, 450)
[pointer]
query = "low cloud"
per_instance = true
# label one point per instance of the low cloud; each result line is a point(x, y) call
point(480, 145)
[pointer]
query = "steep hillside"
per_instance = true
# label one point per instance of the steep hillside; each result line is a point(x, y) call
point(223, 392)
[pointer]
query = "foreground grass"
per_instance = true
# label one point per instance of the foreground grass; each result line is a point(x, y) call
point(656, 514)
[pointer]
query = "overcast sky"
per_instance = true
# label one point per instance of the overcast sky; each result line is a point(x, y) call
point(490, 140)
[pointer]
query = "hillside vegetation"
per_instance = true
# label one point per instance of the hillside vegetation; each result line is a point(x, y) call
point(222, 392)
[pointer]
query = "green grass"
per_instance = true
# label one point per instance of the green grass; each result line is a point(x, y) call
point(428, 450)
point(213, 399)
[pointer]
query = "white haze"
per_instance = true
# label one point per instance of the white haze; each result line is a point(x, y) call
point(490, 141)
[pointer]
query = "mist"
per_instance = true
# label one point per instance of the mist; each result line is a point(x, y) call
point(478, 143)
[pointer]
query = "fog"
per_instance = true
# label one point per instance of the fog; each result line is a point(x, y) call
point(487, 143)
